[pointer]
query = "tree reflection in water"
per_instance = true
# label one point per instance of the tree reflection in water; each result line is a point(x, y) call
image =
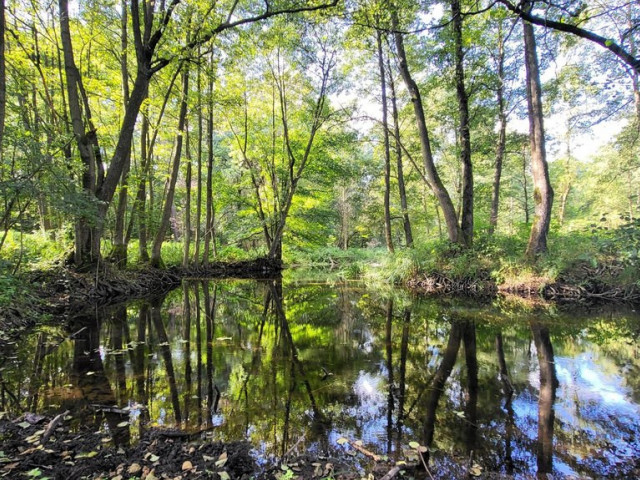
point(300, 366)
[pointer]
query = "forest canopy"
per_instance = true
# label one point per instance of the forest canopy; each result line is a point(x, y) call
point(243, 128)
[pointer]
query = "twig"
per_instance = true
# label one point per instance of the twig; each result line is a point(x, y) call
point(293, 447)
point(424, 464)
point(53, 424)
point(361, 449)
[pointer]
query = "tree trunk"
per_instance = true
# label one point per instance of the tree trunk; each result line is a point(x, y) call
point(198, 235)
point(156, 250)
point(449, 211)
point(120, 241)
point(502, 137)
point(466, 218)
point(87, 244)
point(187, 207)
point(208, 228)
point(3, 79)
point(406, 223)
point(543, 193)
point(387, 153)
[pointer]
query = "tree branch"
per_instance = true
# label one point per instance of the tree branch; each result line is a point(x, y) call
point(606, 43)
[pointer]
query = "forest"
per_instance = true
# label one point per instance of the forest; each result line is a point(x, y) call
point(353, 239)
point(464, 136)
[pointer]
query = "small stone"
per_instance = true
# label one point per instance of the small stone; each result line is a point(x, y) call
point(187, 465)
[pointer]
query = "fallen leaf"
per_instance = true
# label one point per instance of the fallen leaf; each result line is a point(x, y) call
point(342, 441)
point(224, 475)
point(122, 424)
point(134, 469)
point(187, 465)
point(222, 459)
point(414, 445)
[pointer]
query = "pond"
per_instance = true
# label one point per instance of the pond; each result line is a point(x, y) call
point(507, 386)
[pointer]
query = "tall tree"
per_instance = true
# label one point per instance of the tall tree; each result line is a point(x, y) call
point(387, 151)
point(435, 182)
point(466, 217)
point(543, 192)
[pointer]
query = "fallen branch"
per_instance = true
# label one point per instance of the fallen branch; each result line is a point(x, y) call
point(53, 424)
point(368, 453)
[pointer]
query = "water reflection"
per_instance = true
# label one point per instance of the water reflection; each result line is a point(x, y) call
point(294, 368)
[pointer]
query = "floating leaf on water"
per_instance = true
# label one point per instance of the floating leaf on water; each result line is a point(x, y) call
point(342, 441)
point(359, 443)
point(122, 424)
point(414, 445)
point(90, 373)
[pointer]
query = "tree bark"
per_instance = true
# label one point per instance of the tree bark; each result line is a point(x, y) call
point(156, 250)
point(466, 218)
point(543, 193)
point(387, 152)
point(449, 211)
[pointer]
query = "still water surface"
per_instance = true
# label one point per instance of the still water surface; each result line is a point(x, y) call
point(520, 389)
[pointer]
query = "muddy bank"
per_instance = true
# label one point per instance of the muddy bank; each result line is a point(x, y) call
point(587, 291)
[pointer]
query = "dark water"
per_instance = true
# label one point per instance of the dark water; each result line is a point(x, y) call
point(519, 389)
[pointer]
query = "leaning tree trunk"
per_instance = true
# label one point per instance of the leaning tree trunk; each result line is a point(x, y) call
point(387, 153)
point(441, 193)
point(543, 193)
point(408, 233)
point(156, 250)
point(466, 220)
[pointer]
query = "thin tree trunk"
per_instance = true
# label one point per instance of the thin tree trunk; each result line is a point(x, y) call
point(156, 250)
point(387, 153)
point(466, 218)
point(502, 137)
point(449, 211)
point(208, 228)
point(408, 233)
point(187, 207)
point(198, 235)
point(3, 79)
point(120, 241)
point(543, 192)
